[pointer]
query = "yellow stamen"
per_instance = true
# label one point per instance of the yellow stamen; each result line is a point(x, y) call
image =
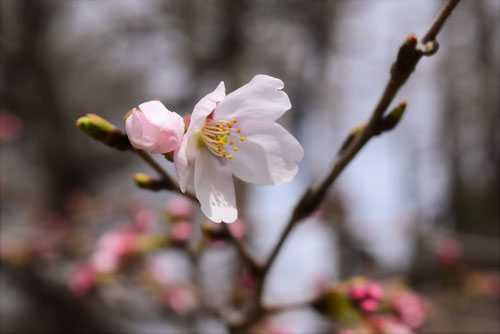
point(234, 120)
point(228, 123)
point(230, 143)
point(238, 130)
point(230, 156)
point(242, 138)
point(224, 152)
point(221, 129)
point(221, 142)
point(235, 148)
point(228, 132)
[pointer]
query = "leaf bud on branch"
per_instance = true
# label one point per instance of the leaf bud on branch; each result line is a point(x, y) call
point(103, 131)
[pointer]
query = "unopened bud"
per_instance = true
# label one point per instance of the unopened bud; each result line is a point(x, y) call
point(358, 292)
point(374, 291)
point(352, 135)
point(103, 131)
point(149, 182)
point(391, 120)
point(179, 208)
point(369, 305)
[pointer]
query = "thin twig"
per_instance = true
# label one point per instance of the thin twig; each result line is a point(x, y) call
point(170, 184)
point(407, 59)
point(243, 251)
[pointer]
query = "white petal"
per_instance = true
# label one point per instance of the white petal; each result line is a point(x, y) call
point(185, 156)
point(204, 107)
point(214, 187)
point(260, 99)
point(184, 165)
point(267, 157)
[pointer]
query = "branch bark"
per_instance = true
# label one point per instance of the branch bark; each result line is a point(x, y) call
point(166, 180)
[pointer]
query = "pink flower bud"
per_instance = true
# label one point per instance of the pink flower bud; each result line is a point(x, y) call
point(181, 231)
point(112, 248)
point(154, 128)
point(180, 300)
point(410, 307)
point(144, 220)
point(388, 325)
point(83, 279)
point(346, 331)
point(369, 305)
point(358, 292)
point(179, 208)
point(374, 291)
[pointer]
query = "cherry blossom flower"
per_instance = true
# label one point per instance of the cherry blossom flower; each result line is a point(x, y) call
point(152, 127)
point(237, 135)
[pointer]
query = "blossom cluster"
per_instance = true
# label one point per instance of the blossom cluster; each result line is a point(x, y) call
point(363, 306)
point(228, 135)
point(138, 247)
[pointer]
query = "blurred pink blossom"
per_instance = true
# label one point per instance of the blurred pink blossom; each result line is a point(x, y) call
point(82, 280)
point(374, 290)
point(181, 231)
point(346, 331)
point(389, 325)
point(179, 208)
point(145, 220)
point(180, 299)
point(161, 270)
point(112, 247)
point(152, 127)
point(238, 229)
point(11, 126)
point(369, 305)
point(449, 251)
point(358, 292)
point(410, 307)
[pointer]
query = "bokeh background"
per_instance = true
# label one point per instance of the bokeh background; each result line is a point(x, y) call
point(434, 179)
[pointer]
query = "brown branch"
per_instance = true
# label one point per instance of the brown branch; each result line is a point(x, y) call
point(167, 182)
point(408, 56)
point(253, 265)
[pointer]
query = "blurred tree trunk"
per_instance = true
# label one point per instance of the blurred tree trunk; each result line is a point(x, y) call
point(470, 127)
point(31, 92)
